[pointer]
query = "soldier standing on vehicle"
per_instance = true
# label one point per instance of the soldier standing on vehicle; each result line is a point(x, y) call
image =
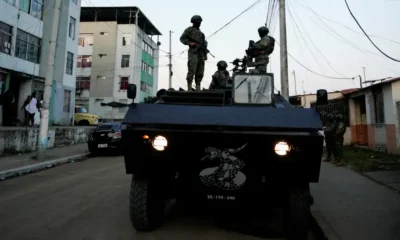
point(220, 77)
point(265, 47)
point(329, 138)
point(197, 54)
point(338, 136)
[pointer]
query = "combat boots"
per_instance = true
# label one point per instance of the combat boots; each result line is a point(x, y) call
point(189, 86)
point(339, 163)
point(197, 87)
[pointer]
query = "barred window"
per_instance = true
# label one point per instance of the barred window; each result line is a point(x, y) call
point(83, 83)
point(123, 84)
point(125, 61)
point(84, 61)
point(72, 26)
point(5, 38)
point(28, 47)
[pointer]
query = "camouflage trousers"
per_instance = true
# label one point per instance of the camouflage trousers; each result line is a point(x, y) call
point(195, 67)
point(330, 142)
point(338, 148)
point(262, 68)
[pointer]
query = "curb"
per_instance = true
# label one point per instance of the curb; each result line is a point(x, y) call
point(40, 166)
point(375, 180)
point(321, 227)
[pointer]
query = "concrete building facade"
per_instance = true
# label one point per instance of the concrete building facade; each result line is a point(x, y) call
point(374, 116)
point(25, 37)
point(114, 51)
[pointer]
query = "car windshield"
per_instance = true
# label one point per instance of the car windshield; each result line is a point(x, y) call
point(255, 89)
point(81, 110)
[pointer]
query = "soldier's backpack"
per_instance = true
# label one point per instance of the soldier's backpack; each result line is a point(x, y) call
point(271, 46)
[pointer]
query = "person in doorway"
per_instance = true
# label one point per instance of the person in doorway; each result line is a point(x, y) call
point(31, 108)
point(26, 115)
point(8, 102)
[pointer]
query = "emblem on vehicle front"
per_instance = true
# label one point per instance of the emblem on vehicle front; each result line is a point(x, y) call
point(227, 175)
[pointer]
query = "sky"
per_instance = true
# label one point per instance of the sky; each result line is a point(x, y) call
point(321, 35)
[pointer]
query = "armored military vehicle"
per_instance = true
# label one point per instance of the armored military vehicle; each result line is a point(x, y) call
point(225, 147)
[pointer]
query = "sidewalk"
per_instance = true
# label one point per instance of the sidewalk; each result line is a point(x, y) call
point(24, 163)
point(356, 207)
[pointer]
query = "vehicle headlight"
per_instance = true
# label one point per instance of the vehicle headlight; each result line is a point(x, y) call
point(159, 143)
point(282, 148)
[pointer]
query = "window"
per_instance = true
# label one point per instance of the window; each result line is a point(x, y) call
point(85, 40)
point(144, 87)
point(149, 70)
point(5, 38)
point(72, 25)
point(104, 33)
point(147, 48)
point(67, 100)
point(125, 61)
point(37, 8)
point(84, 61)
point(123, 84)
point(70, 63)
point(24, 5)
point(83, 83)
point(379, 106)
point(75, 1)
point(126, 39)
point(27, 47)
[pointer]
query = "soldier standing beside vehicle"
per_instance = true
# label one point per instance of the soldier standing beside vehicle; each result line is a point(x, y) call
point(220, 77)
point(263, 48)
point(338, 136)
point(197, 54)
point(329, 138)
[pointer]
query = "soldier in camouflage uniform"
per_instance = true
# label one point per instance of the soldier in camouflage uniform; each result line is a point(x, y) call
point(329, 138)
point(338, 136)
point(195, 39)
point(262, 46)
point(220, 77)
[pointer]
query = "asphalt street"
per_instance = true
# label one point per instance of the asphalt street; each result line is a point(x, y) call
point(88, 200)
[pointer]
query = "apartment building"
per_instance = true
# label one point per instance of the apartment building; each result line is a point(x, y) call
point(25, 27)
point(117, 46)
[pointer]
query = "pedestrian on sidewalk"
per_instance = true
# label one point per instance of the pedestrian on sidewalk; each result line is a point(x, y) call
point(26, 113)
point(31, 108)
point(339, 137)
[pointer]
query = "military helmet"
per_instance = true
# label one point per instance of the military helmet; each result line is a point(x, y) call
point(330, 116)
point(222, 64)
point(264, 30)
point(196, 18)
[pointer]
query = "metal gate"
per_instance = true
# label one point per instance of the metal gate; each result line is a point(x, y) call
point(334, 106)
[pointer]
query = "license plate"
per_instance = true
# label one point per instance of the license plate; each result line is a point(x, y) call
point(102, 145)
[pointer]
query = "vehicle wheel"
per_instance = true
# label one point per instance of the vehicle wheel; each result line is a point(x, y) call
point(146, 204)
point(297, 213)
point(84, 123)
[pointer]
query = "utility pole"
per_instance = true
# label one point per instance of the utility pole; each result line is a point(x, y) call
point(170, 59)
point(284, 60)
point(360, 81)
point(365, 78)
point(295, 86)
point(44, 120)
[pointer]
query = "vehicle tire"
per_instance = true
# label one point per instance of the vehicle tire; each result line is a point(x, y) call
point(297, 213)
point(84, 123)
point(146, 204)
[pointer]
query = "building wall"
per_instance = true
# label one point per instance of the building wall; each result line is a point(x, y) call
point(11, 15)
point(396, 111)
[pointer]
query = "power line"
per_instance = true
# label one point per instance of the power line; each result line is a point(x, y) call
point(327, 61)
point(367, 34)
point(343, 25)
point(312, 70)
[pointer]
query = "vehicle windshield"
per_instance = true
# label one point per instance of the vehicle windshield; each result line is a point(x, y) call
point(255, 89)
point(81, 110)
